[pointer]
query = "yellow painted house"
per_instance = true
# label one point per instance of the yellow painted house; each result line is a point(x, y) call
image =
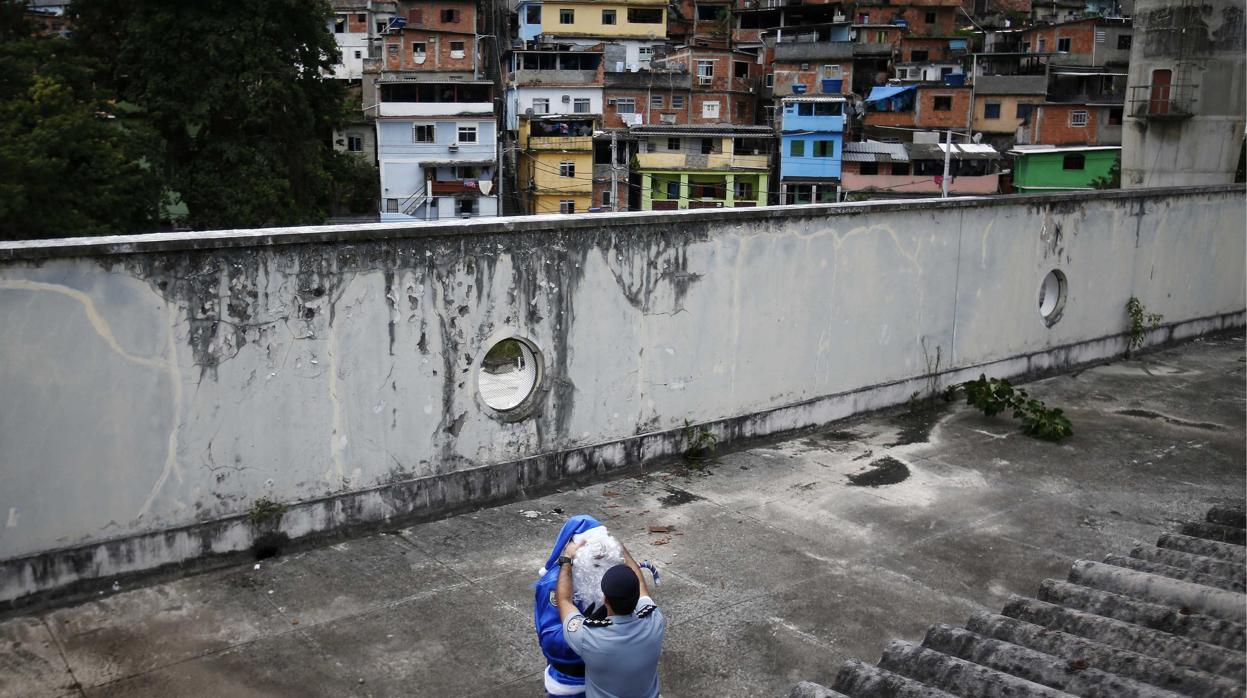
point(635, 19)
point(1002, 103)
point(556, 163)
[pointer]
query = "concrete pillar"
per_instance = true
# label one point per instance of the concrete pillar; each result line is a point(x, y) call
point(729, 193)
point(684, 190)
point(783, 194)
point(647, 191)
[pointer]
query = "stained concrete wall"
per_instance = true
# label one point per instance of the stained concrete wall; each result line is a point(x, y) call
point(155, 388)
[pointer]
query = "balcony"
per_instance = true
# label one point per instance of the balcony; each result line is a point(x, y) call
point(535, 78)
point(680, 160)
point(455, 187)
point(1162, 102)
point(561, 143)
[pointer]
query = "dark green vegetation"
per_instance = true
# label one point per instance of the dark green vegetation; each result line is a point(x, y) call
point(1140, 322)
point(995, 395)
point(221, 106)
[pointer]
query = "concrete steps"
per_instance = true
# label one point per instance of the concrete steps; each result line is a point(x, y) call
point(1165, 621)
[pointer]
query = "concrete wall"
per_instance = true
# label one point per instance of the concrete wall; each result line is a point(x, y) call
point(155, 388)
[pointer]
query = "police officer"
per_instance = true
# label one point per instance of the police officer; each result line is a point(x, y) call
point(621, 651)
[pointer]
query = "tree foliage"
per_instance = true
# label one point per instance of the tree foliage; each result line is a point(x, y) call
point(238, 94)
point(70, 163)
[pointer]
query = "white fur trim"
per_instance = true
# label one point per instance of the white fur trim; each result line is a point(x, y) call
point(555, 688)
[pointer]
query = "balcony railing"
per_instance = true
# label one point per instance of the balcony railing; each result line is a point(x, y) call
point(699, 161)
point(453, 187)
point(1159, 101)
point(560, 143)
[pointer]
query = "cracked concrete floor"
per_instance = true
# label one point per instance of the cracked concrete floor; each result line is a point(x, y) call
point(777, 568)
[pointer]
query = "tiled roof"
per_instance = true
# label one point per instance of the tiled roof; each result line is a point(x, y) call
point(1164, 621)
point(1011, 85)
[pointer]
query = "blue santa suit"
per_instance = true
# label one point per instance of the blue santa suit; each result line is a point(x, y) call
point(550, 626)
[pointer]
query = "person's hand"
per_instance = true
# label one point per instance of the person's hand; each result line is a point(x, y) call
point(570, 549)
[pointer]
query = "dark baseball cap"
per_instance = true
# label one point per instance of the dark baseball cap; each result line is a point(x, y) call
point(620, 583)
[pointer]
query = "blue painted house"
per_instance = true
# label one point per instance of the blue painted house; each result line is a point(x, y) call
point(812, 148)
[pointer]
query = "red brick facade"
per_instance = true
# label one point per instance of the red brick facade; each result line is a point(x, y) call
point(1056, 124)
point(1047, 39)
point(957, 115)
point(444, 31)
point(789, 74)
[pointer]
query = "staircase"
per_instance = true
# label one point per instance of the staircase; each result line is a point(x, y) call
point(413, 202)
point(1164, 621)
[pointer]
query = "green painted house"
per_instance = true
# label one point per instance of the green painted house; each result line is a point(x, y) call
point(1041, 168)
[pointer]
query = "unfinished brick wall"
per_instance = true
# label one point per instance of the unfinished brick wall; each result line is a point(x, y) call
point(958, 116)
point(440, 52)
point(937, 49)
point(788, 74)
point(1080, 34)
point(1051, 125)
point(651, 113)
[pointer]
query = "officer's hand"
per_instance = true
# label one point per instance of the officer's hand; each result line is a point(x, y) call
point(570, 549)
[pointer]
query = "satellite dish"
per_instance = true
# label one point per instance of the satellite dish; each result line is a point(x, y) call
point(529, 112)
point(978, 137)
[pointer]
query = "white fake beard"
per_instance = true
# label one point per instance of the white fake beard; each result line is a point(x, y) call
point(599, 553)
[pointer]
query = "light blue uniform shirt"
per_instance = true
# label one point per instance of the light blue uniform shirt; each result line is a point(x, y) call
point(621, 657)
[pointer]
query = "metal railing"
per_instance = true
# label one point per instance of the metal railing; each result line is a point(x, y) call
point(1159, 101)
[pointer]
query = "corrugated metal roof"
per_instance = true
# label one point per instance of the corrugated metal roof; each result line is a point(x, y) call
point(1011, 85)
point(702, 130)
point(967, 151)
point(815, 98)
point(875, 151)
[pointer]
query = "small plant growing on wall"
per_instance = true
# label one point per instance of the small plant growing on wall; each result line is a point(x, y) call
point(1140, 322)
point(699, 443)
point(265, 512)
point(996, 395)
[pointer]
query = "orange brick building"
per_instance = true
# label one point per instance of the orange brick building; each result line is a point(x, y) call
point(438, 36)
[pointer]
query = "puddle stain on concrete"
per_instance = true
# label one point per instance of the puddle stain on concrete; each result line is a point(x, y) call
point(675, 497)
point(883, 471)
point(916, 424)
point(1148, 414)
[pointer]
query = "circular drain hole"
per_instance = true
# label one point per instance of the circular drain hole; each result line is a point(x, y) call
point(1052, 297)
point(509, 374)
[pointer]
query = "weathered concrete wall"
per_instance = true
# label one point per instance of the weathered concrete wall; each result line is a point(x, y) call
point(153, 389)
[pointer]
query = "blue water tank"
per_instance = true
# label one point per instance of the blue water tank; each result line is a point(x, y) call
point(955, 79)
point(833, 86)
point(798, 89)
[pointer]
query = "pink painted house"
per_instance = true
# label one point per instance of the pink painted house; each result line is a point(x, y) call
point(886, 170)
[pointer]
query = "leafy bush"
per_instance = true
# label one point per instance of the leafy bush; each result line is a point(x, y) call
point(995, 395)
point(1140, 322)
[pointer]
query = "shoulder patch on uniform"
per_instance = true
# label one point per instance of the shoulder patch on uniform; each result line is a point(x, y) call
point(574, 624)
point(645, 611)
point(553, 602)
point(598, 623)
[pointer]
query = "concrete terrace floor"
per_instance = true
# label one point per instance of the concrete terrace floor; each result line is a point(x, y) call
point(777, 569)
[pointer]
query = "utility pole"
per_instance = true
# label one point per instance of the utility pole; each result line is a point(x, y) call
point(614, 171)
point(948, 152)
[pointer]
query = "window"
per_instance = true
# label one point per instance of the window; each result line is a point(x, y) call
point(450, 16)
point(1123, 42)
point(1063, 44)
point(567, 206)
point(677, 101)
point(666, 118)
point(832, 72)
point(358, 54)
point(391, 205)
point(339, 24)
point(1043, 44)
point(705, 70)
point(381, 25)
point(466, 207)
point(541, 105)
point(991, 110)
point(608, 16)
point(744, 190)
point(567, 168)
point(645, 54)
point(673, 190)
point(417, 50)
point(423, 133)
point(467, 134)
point(881, 37)
point(625, 105)
point(900, 169)
point(769, 81)
point(918, 56)
point(355, 143)
point(657, 102)
point(797, 149)
point(673, 144)
point(361, 18)
point(929, 18)
point(639, 16)
point(1024, 111)
point(606, 199)
point(868, 168)
point(944, 103)
point(532, 14)
point(824, 149)
point(456, 49)
point(467, 172)
point(580, 105)
point(1075, 161)
point(710, 13)
point(567, 16)
point(707, 146)
point(1078, 119)
point(1114, 116)
point(740, 70)
point(709, 110)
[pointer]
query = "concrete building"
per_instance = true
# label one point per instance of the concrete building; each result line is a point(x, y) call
point(1094, 41)
point(811, 148)
point(894, 111)
point(1042, 168)
point(1004, 103)
point(879, 170)
point(703, 166)
point(437, 149)
point(556, 162)
point(1188, 84)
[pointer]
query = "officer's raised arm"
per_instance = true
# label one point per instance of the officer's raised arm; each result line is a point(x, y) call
point(563, 590)
point(636, 569)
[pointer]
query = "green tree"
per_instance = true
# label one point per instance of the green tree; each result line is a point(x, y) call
point(70, 164)
point(237, 92)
